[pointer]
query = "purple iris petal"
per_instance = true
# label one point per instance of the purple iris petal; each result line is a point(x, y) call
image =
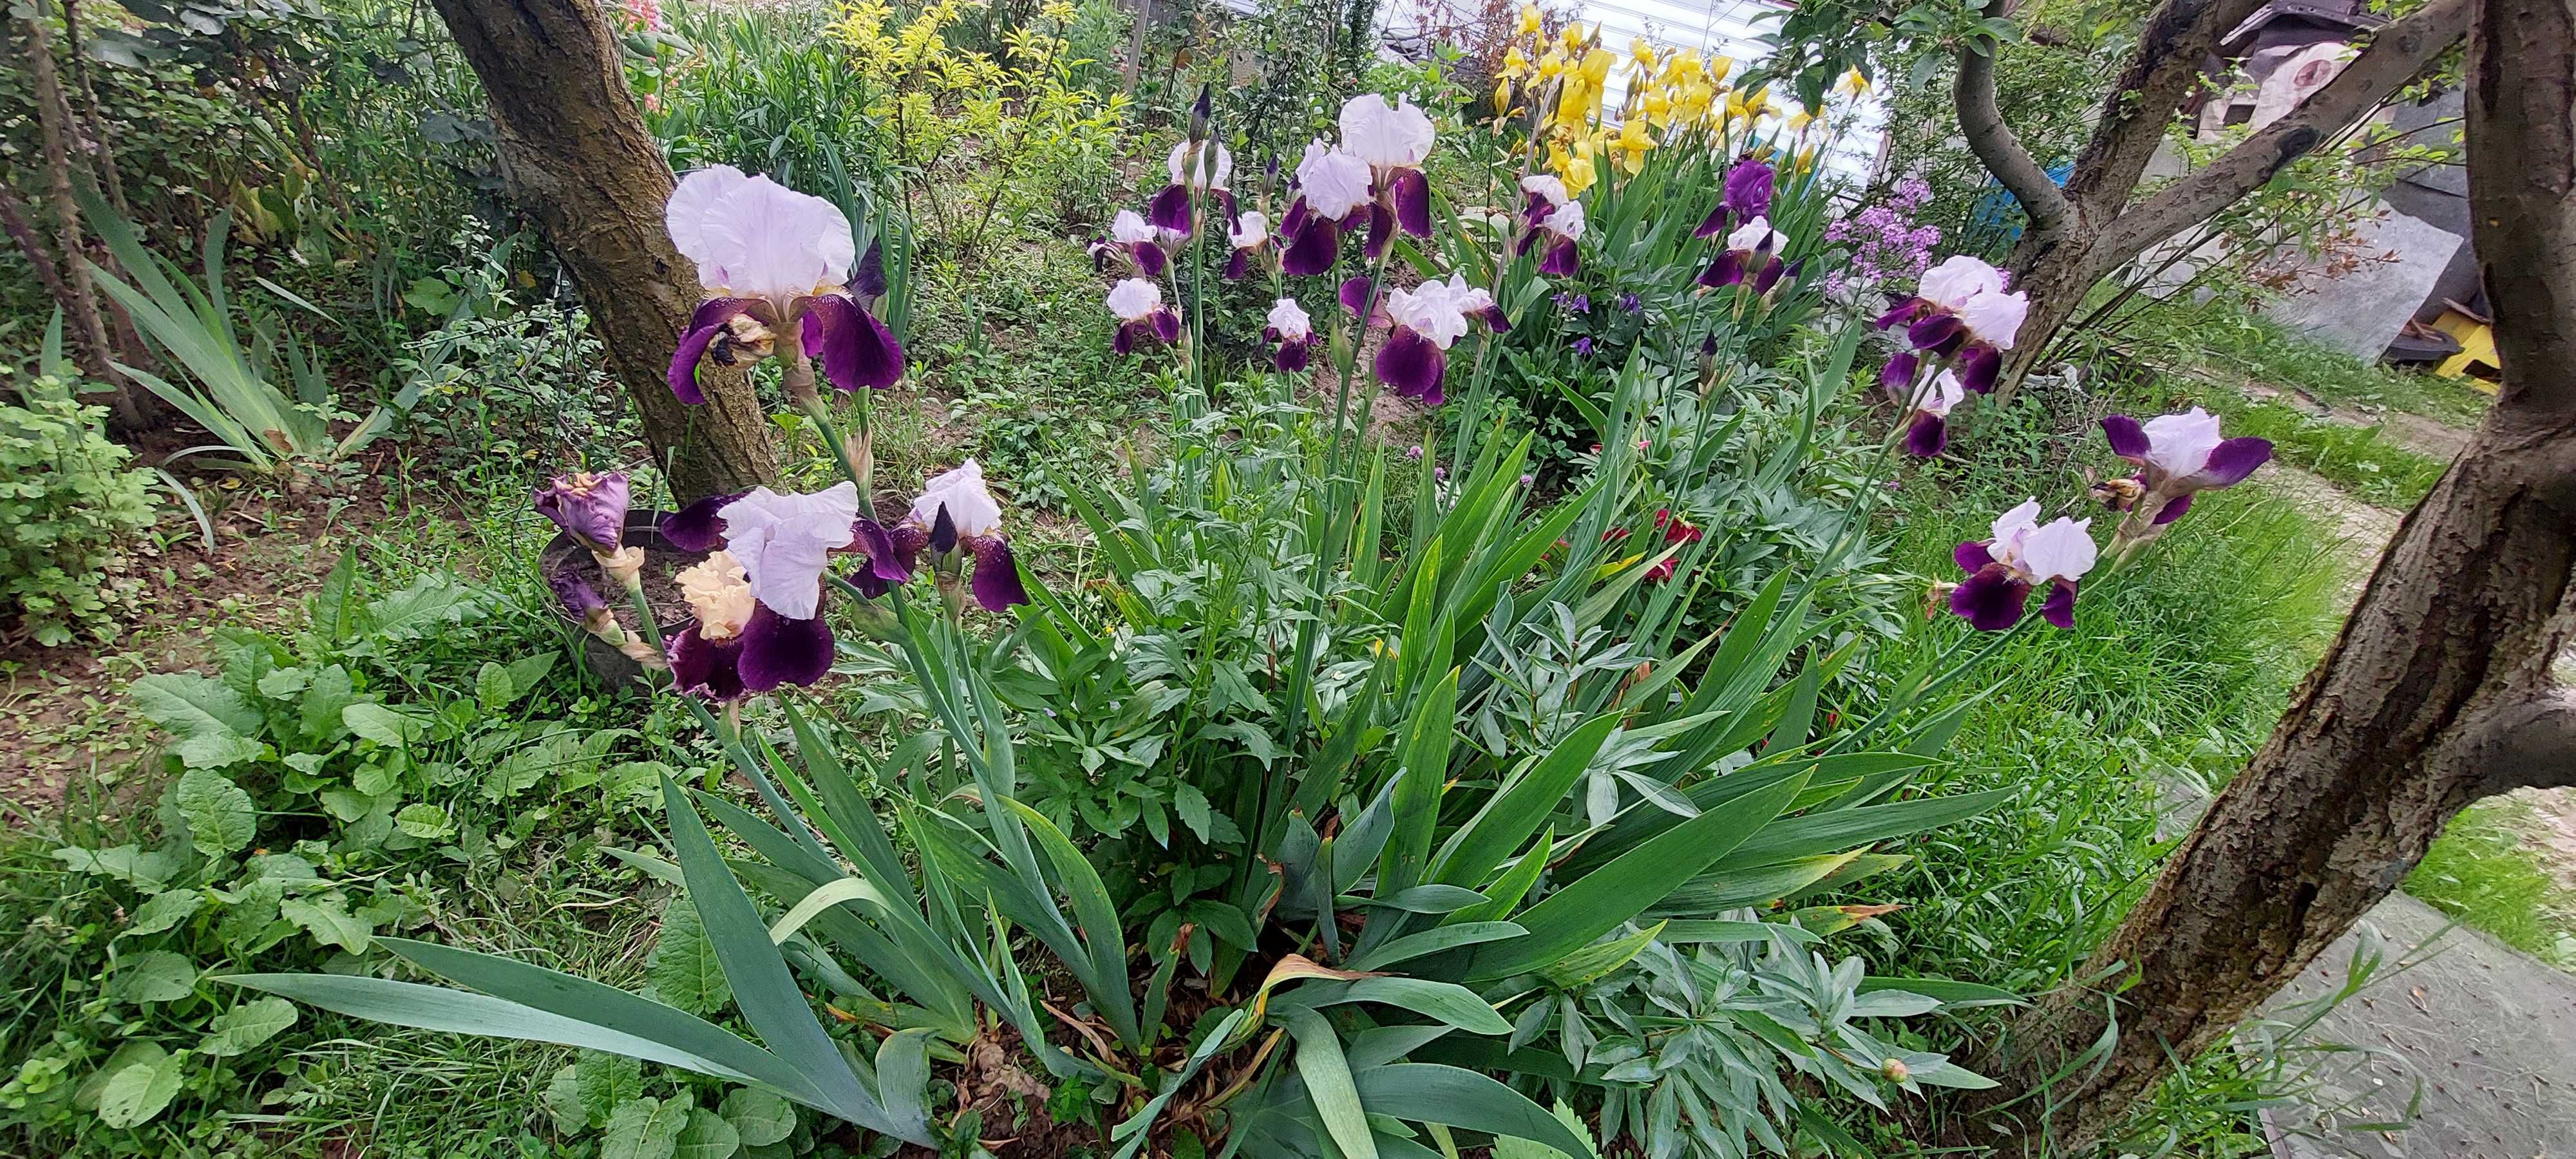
point(1166, 324)
point(1290, 358)
point(1979, 366)
point(1411, 193)
point(997, 576)
point(859, 353)
point(1311, 250)
point(1238, 265)
point(1972, 556)
point(868, 282)
point(693, 347)
point(577, 596)
point(1992, 600)
point(1769, 277)
point(2231, 461)
point(2173, 509)
point(1748, 188)
point(590, 508)
point(1560, 259)
point(2128, 438)
point(1170, 209)
point(698, 527)
point(1926, 436)
point(1930, 331)
point(1381, 230)
point(1225, 201)
point(884, 562)
point(703, 667)
point(1904, 312)
point(1123, 342)
point(1529, 237)
point(908, 540)
point(1898, 375)
point(2059, 607)
point(1727, 270)
point(1495, 319)
point(1411, 365)
point(1296, 217)
point(777, 650)
point(943, 532)
point(1355, 294)
point(1715, 225)
point(1535, 208)
point(1149, 258)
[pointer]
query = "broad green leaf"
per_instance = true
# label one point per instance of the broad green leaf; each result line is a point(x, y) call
point(1841, 829)
point(1510, 816)
point(138, 1090)
point(645, 1128)
point(708, 1136)
point(1599, 901)
point(221, 817)
point(1431, 1093)
point(152, 976)
point(1433, 941)
point(562, 1101)
point(1319, 1061)
point(494, 688)
point(327, 918)
point(375, 722)
point(1508, 1147)
point(683, 967)
point(1582, 967)
point(1953, 994)
point(237, 1030)
point(1416, 804)
point(423, 820)
point(164, 911)
point(831, 893)
point(761, 1117)
point(1447, 1002)
point(215, 726)
point(1508, 890)
point(604, 1082)
point(903, 1076)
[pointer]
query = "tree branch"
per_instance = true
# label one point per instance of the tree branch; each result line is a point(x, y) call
point(2529, 745)
point(2397, 54)
point(2176, 42)
point(2519, 102)
point(1982, 121)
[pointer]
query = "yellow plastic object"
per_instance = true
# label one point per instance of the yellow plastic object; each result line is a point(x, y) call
point(2477, 345)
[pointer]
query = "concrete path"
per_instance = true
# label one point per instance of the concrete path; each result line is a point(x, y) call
point(2479, 1038)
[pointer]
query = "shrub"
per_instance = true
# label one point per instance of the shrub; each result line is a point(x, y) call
point(68, 505)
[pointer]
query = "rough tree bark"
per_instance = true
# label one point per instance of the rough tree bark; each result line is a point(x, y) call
point(86, 326)
point(576, 155)
point(2436, 693)
point(2080, 233)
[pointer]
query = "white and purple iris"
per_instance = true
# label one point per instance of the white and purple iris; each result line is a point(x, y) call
point(957, 519)
point(1747, 196)
point(1557, 232)
point(1424, 322)
point(1138, 306)
point(1196, 167)
point(1333, 186)
point(1293, 331)
point(757, 602)
point(1961, 311)
point(1140, 240)
point(1377, 168)
point(1751, 253)
point(2022, 555)
point(1249, 235)
point(2180, 455)
point(1927, 410)
point(776, 265)
point(1541, 195)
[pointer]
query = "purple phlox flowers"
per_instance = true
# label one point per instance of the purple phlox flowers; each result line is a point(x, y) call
point(2179, 455)
point(1747, 196)
point(1573, 303)
point(1138, 305)
point(1961, 311)
point(1927, 407)
point(1293, 331)
point(1886, 245)
point(1583, 346)
point(2003, 570)
point(957, 519)
point(1196, 166)
point(776, 264)
point(1632, 303)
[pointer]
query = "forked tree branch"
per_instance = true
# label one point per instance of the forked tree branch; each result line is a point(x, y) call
point(2397, 54)
point(2531, 745)
point(2176, 42)
point(1981, 120)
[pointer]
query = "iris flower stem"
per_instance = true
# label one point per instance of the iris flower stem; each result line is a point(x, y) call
point(730, 739)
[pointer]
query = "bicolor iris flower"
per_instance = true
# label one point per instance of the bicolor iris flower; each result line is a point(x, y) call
point(1393, 139)
point(1294, 331)
point(1201, 166)
point(1333, 187)
point(1927, 404)
point(2180, 455)
point(736, 645)
point(1752, 253)
point(1543, 194)
point(776, 266)
point(2003, 570)
point(956, 518)
point(1142, 241)
point(1960, 310)
point(1248, 235)
point(1138, 304)
point(1558, 232)
point(1426, 320)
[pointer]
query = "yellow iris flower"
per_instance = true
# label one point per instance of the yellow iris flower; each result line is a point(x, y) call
point(1852, 84)
point(1633, 144)
point(1529, 20)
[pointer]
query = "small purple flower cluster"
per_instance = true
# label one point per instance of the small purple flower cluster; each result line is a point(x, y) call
point(1573, 303)
point(1886, 245)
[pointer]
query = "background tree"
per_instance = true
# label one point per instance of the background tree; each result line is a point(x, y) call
point(576, 155)
point(2436, 693)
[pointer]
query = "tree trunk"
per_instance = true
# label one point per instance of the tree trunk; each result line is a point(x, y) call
point(2436, 693)
point(86, 326)
point(575, 155)
point(2089, 228)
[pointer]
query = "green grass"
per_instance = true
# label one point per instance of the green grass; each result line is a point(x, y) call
point(2360, 460)
point(2484, 872)
point(2243, 347)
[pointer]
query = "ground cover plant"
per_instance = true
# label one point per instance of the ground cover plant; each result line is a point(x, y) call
point(1330, 618)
